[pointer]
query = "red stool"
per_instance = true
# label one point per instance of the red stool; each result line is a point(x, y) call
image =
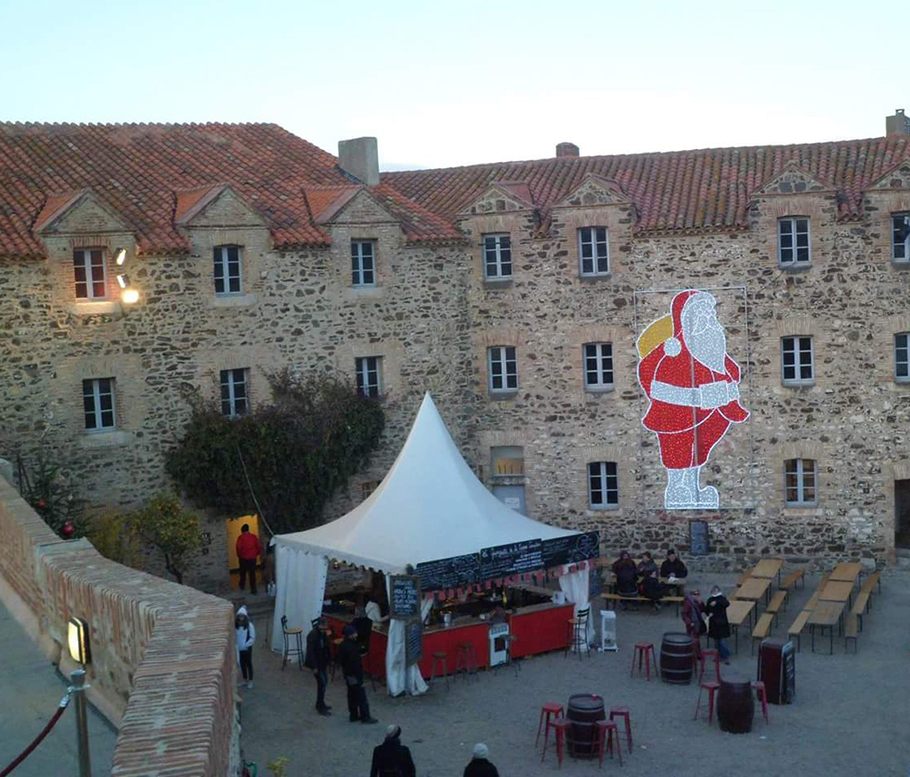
point(711, 687)
point(548, 709)
point(559, 725)
point(759, 687)
point(705, 654)
point(607, 732)
point(623, 712)
point(644, 651)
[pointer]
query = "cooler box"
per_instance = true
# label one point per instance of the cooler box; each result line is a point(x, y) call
point(777, 670)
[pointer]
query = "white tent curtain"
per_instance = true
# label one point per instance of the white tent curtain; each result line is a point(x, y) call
point(301, 589)
point(575, 586)
point(399, 677)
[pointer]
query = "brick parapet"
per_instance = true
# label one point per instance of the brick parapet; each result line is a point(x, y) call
point(163, 657)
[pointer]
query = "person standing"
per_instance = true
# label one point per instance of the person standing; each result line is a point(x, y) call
point(392, 757)
point(692, 611)
point(718, 625)
point(352, 669)
point(318, 657)
point(245, 639)
point(480, 766)
point(248, 550)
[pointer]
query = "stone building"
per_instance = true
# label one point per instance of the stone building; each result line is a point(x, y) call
point(514, 292)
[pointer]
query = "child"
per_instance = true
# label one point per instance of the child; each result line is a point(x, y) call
point(246, 637)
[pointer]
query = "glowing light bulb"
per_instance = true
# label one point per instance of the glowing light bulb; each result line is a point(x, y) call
point(130, 296)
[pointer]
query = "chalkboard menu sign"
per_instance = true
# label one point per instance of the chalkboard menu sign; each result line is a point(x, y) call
point(571, 549)
point(595, 583)
point(698, 538)
point(413, 641)
point(404, 601)
point(510, 559)
point(454, 572)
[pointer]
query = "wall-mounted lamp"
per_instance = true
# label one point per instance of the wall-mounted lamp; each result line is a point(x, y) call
point(120, 256)
point(77, 637)
point(123, 280)
point(130, 296)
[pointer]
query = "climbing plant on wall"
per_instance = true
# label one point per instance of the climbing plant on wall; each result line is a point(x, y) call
point(294, 452)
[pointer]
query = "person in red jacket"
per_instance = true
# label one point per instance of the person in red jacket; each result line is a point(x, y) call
point(248, 550)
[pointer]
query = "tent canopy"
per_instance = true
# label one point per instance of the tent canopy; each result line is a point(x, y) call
point(429, 506)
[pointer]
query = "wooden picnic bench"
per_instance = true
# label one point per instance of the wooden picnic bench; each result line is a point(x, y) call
point(861, 606)
point(778, 602)
point(793, 578)
point(796, 628)
point(873, 581)
point(850, 632)
point(762, 628)
point(826, 615)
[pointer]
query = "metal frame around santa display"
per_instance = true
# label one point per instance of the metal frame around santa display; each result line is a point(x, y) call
point(745, 373)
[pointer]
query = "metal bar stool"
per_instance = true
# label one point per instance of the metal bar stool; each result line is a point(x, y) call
point(466, 660)
point(291, 648)
point(440, 658)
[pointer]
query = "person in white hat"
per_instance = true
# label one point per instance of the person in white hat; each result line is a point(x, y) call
point(392, 757)
point(480, 765)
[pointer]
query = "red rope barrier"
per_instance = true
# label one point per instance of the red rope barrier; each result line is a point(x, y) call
point(37, 741)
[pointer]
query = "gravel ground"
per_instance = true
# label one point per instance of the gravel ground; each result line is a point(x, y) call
point(851, 714)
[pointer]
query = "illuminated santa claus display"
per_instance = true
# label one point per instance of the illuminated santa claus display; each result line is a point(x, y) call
point(693, 388)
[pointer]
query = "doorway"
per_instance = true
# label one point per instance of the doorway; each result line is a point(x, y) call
point(233, 527)
point(511, 496)
point(902, 514)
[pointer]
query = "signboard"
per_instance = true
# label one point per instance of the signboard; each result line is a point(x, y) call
point(454, 572)
point(511, 559)
point(698, 538)
point(413, 641)
point(404, 598)
point(595, 583)
point(571, 549)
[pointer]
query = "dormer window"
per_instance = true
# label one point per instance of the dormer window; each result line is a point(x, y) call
point(793, 242)
point(593, 252)
point(88, 268)
point(497, 257)
point(363, 263)
point(227, 270)
point(900, 237)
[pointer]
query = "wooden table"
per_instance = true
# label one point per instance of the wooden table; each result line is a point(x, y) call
point(769, 568)
point(836, 591)
point(825, 615)
point(737, 612)
point(848, 571)
point(754, 588)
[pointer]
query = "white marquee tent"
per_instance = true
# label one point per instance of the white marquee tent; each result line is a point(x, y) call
point(429, 506)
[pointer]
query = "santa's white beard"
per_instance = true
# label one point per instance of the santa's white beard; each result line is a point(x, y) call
point(709, 347)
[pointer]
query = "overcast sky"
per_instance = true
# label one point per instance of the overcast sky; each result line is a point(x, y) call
point(443, 83)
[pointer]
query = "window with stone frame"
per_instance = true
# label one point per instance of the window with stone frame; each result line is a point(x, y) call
point(98, 404)
point(800, 482)
point(902, 357)
point(593, 252)
point(793, 241)
point(228, 279)
point(89, 274)
point(363, 262)
point(235, 392)
point(900, 237)
point(598, 366)
point(497, 257)
point(603, 485)
point(369, 375)
point(503, 369)
point(797, 361)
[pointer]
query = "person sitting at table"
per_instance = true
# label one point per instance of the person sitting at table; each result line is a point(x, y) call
point(651, 588)
point(673, 566)
point(646, 565)
point(626, 577)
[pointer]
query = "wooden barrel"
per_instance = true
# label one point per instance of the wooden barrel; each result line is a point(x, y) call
point(677, 658)
point(735, 704)
point(582, 713)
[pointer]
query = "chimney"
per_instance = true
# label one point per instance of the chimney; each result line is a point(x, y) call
point(898, 124)
point(360, 157)
point(566, 149)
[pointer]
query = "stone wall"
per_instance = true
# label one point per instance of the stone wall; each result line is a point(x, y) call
point(163, 658)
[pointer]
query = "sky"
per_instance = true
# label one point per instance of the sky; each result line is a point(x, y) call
point(443, 84)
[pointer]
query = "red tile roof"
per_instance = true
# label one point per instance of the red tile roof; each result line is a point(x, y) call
point(675, 191)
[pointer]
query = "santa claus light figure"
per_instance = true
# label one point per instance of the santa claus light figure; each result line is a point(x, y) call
point(693, 388)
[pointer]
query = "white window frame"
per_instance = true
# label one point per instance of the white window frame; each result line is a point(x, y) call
point(792, 223)
point(230, 381)
point(897, 244)
point(223, 262)
point(799, 351)
point(503, 357)
point(902, 357)
point(501, 264)
point(804, 471)
point(595, 239)
point(597, 354)
point(363, 263)
point(605, 471)
point(82, 259)
point(369, 375)
point(93, 391)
